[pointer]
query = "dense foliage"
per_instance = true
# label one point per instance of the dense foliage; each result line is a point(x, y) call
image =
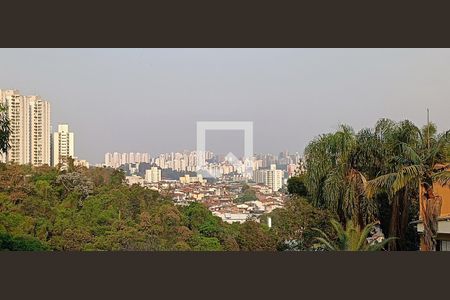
point(91, 209)
point(374, 174)
point(246, 195)
point(351, 238)
point(5, 130)
point(294, 226)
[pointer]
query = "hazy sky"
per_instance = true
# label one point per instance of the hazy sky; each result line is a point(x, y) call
point(148, 100)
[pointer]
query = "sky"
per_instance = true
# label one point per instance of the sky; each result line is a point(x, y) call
point(149, 100)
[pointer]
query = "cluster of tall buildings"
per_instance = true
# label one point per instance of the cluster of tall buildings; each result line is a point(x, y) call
point(268, 169)
point(282, 159)
point(31, 139)
point(116, 159)
point(184, 161)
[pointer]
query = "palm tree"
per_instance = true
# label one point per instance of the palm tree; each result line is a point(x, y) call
point(5, 130)
point(352, 238)
point(333, 179)
point(418, 158)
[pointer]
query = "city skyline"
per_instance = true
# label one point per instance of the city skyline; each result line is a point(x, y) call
point(151, 99)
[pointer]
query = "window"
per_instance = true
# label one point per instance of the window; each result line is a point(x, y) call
point(444, 245)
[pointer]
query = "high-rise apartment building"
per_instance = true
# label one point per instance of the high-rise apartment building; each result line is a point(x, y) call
point(260, 176)
point(39, 130)
point(108, 159)
point(18, 114)
point(116, 160)
point(137, 157)
point(145, 158)
point(125, 159)
point(30, 126)
point(272, 178)
point(153, 175)
point(63, 145)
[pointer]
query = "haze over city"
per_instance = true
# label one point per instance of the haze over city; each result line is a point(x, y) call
point(149, 100)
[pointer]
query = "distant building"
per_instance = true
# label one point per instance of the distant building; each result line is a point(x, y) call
point(81, 162)
point(30, 124)
point(40, 131)
point(134, 179)
point(63, 145)
point(116, 159)
point(125, 159)
point(272, 178)
point(153, 175)
point(145, 158)
point(232, 217)
point(260, 176)
point(188, 179)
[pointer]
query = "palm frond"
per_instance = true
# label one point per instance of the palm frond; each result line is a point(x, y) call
point(364, 234)
point(326, 243)
point(409, 153)
point(442, 177)
point(382, 182)
point(406, 175)
point(324, 239)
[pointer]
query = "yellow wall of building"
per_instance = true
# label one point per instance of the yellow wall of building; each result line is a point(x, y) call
point(444, 192)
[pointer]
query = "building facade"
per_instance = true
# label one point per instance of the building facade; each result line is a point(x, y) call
point(40, 130)
point(116, 159)
point(30, 126)
point(153, 175)
point(63, 145)
point(272, 178)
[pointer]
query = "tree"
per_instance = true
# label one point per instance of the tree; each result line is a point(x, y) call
point(293, 225)
point(252, 236)
point(296, 186)
point(352, 238)
point(20, 243)
point(247, 194)
point(76, 183)
point(5, 130)
point(200, 219)
point(117, 177)
point(419, 158)
point(333, 179)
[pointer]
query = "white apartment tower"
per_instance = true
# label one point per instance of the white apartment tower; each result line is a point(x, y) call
point(63, 145)
point(108, 159)
point(30, 126)
point(274, 178)
point(18, 114)
point(153, 175)
point(39, 130)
